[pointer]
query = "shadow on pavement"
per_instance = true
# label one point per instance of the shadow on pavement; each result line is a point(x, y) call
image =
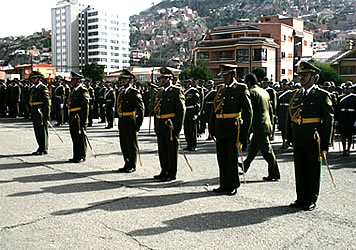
point(138, 202)
point(22, 165)
point(216, 220)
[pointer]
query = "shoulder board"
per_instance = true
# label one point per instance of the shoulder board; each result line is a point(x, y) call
point(86, 94)
point(241, 84)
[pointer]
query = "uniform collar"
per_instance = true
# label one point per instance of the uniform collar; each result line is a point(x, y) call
point(308, 90)
point(76, 88)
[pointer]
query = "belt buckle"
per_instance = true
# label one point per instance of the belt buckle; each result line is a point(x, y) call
point(299, 120)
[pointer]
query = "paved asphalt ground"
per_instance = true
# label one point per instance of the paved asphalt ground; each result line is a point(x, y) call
point(49, 203)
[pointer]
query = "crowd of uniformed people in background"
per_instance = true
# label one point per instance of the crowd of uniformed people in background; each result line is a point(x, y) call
point(255, 109)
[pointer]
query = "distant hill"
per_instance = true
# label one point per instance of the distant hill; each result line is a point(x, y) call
point(23, 50)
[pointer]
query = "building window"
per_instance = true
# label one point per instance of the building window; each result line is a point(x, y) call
point(242, 55)
point(284, 37)
point(93, 20)
point(283, 54)
point(347, 70)
point(115, 54)
point(259, 54)
point(93, 33)
point(97, 46)
point(290, 39)
point(283, 71)
point(290, 55)
point(305, 43)
point(266, 35)
point(115, 60)
point(252, 35)
point(93, 40)
point(203, 55)
point(93, 27)
point(290, 72)
point(226, 54)
point(93, 13)
point(115, 67)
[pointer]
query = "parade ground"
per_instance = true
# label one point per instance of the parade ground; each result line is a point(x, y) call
point(49, 203)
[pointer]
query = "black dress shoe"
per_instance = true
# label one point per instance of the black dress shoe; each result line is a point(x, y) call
point(231, 191)
point(72, 160)
point(297, 204)
point(121, 170)
point(309, 206)
point(160, 176)
point(168, 178)
point(219, 190)
point(269, 178)
point(130, 170)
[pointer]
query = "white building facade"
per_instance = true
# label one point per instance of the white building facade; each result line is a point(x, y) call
point(83, 35)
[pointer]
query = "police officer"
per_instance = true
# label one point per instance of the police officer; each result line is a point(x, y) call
point(310, 120)
point(2, 98)
point(78, 108)
point(208, 103)
point(346, 117)
point(192, 102)
point(267, 85)
point(91, 104)
point(230, 123)
point(101, 103)
point(58, 103)
point(261, 128)
point(109, 100)
point(130, 109)
point(169, 110)
point(16, 98)
point(39, 101)
point(282, 111)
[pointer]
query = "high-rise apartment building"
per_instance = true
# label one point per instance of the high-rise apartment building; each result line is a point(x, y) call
point(82, 35)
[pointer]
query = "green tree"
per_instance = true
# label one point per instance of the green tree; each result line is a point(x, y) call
point(260, 73)
point(94, 72)
point(327, 73)
point(199, 71)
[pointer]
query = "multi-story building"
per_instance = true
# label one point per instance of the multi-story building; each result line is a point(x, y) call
point(65, 36)
point(82, 35)
point(276, 44)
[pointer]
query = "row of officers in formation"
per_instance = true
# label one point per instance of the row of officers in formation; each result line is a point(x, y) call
point(233, 110)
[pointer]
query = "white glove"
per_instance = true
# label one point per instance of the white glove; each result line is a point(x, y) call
point(104, 105)
point(355, 124)
point(195, 117)
point(61, 105)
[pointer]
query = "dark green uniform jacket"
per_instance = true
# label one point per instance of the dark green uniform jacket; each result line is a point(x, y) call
point(40, 106)
point(78, 107)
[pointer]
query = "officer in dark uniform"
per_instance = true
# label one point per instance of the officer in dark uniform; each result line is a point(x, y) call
point(208, 103)
point(169, 110)
point(96, 101)
point(346, 117)
point(230, 123)
point(282, 111)
point(91, 104)
point(39, 101)
point(101, 103)
point(130, 109)
point(58, 103)
point(78, 108)
point(2, 98)
point(26, 99)
point(66, 97)
point(16, 98)
point(192, 102)
point(267, 85)
point(261, 128)
point(310, 120)
point(109, 100)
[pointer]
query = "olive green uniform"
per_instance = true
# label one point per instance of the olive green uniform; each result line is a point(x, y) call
point(169, 109)
point(40, 106)
point(58, 103)
point(130, 109)
point(192, 102)
point(91, 105)
point(232, 106)
point(347, 115)
point(262, 129)
point(78, 107)
point(308, 115)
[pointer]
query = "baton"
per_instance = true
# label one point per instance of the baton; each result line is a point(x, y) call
point(170, 125)
point(86, 137)
point(54, 130)
point(239, 147)
point(327, 166)
point(138, 150)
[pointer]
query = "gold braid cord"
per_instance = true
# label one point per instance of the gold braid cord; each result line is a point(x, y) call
point(156, 108)
point(296, 116)
point(39, 111)
point(218, 102)
point(119, 104)
point(78, 120)
point(317, 138)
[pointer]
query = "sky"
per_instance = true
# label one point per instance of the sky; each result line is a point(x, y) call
point(24, 17)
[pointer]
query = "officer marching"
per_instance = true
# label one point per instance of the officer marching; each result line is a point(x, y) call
point(130, 109)
point(169, 111)
point(40, 106)
point(309, 129)
point(78, 108)
point(230, 123)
